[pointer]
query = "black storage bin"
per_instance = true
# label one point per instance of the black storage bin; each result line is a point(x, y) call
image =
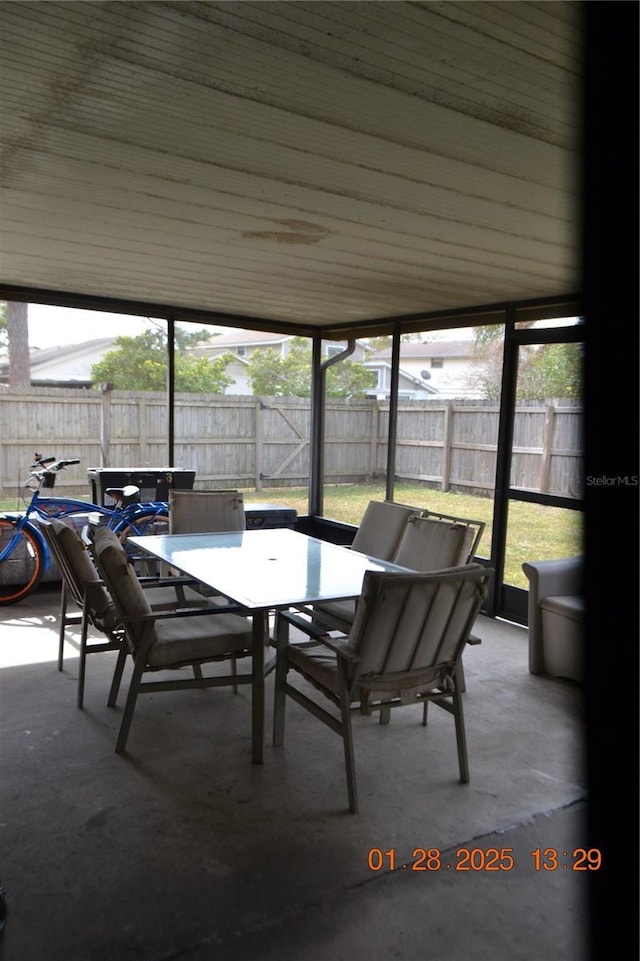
point(154, 482)
point(268, 516)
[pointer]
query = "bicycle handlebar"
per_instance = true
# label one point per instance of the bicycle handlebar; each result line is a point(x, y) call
point(50, 464)
point(41, 461)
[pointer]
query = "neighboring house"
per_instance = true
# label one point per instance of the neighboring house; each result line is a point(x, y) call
point(409, 387)
point(241, 344)
point(447, 366)
point(434, 368)
point(66, 366)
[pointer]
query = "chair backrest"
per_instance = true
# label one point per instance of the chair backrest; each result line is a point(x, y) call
point(123, 585)
point(381, 529)
point(199, 512)
point(415, 624)
point(432, 544)
point(78, 570)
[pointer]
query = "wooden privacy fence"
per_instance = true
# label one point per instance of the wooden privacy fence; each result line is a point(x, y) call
point(264, 442)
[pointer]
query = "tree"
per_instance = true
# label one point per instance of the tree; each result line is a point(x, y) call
point(271, 375)
point(14, 335)
point(376, 344)
point(140, 363)
point(544, 370)
point(349, 379)
point(550, 370)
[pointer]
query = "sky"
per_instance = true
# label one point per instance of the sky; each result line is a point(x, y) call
point(55, 326)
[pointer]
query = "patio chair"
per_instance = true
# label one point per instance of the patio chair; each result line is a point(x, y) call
point(378, 535)
point(82, 584)
point(167, 640)
point(198, 512)
point(422, 541)
point(403, 648)
point(436, 541)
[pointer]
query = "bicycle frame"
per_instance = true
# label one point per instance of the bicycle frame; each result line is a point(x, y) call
point(23, 546)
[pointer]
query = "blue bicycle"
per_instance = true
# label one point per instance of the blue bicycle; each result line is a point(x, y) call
point(24, 553)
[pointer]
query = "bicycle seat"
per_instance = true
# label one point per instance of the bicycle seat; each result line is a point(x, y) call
point(123, 496)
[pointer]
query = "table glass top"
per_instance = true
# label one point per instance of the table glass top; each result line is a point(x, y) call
point(266, 568)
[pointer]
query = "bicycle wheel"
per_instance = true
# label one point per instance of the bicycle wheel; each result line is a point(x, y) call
point(138, 525)
point(141, 524)
point(21, 570)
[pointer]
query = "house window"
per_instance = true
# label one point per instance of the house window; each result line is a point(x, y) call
point(332, 351)
point(437, 362)
point(241, 351)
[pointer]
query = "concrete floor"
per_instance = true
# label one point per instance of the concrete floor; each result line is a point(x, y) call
point(182, 849)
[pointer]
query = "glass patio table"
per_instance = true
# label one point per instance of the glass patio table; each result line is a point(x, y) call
point(263, 571)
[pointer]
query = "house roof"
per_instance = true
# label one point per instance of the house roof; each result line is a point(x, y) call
point(229, 340)
point(431, 348)
point(301, 164)
point(42, 357)
point(243, 338)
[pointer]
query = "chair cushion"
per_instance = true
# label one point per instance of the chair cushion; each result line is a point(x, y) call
point(566, 605)
point(82, 568)
point(337, 613)
point(182, 640)
point(381, 528)
point(320, 666)
point(128, 594)
point(428, 544)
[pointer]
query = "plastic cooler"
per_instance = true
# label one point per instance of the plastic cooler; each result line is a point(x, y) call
point(154, 482)
point(268, 516)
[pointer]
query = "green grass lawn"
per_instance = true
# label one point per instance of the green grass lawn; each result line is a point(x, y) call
point(535, 532)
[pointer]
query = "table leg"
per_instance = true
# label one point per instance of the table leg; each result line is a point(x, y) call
point(260, 629)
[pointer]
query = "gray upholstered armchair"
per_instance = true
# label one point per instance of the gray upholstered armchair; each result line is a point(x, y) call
point(556, 617)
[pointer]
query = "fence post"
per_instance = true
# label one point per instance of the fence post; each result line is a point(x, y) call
point(258, 445)
point(446, 447)
point(142, 440)
point(373, 439)
point(105, 424)
point(547, 444)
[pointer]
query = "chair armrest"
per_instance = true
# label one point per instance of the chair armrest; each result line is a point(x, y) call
point(550, 578)
point(307, 627)
point(183, 612)
point(321, 636)
point(339, 646)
